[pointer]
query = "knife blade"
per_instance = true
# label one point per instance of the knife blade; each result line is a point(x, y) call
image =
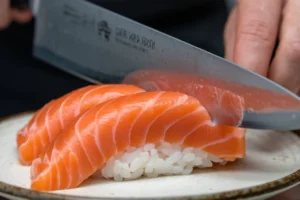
point(99, 45)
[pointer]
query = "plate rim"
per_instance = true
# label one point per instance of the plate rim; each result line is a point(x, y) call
point(283, 183)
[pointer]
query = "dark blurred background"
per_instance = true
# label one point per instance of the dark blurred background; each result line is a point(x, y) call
point(27, 83)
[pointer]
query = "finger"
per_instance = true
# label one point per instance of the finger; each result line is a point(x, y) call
point(285, 68)
point(257, 28)
point(5, 15)
point(21, 16)
point(229, 34)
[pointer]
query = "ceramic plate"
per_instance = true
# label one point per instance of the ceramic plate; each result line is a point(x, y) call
point(270, 167)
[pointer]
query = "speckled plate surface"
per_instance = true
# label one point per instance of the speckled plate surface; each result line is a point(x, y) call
point(270, 167)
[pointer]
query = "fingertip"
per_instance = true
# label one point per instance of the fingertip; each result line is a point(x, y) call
point(249, 57)
point(289, 79)
point(229, 34)
point(21, 16)
point(256, 34)
point(285, 67)
point(284, 72)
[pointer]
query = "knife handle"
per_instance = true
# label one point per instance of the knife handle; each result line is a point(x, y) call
point(19, 4)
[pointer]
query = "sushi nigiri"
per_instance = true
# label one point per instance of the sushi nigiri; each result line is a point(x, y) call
point(50, 120)
point(148, 133)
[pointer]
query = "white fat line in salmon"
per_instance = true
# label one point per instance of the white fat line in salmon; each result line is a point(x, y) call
point(54, 157)
point(206, 122)
point(38, 114)
point(61, 115)
point(219, 141)
point(198, 110)
point(47, 123)
point(77, 111)
point(97, 122)
point(179, 101)
point(148, 105)
point(57, 169)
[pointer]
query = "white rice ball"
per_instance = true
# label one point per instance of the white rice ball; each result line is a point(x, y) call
point(156, 160)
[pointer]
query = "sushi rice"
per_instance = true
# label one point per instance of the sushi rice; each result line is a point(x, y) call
point(156, 160)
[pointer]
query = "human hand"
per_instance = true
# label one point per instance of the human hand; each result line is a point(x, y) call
point(7, 14)
point(251, 32)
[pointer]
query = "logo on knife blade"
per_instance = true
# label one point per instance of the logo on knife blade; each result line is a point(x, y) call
point(104, 29)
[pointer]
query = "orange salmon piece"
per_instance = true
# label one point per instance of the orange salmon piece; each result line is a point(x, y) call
point(131, 121)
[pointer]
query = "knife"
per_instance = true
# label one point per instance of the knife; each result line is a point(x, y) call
point(101, 46)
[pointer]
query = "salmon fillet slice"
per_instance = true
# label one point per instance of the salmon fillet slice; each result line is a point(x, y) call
point(131, 121)
point(51, 119)
point(224, 101)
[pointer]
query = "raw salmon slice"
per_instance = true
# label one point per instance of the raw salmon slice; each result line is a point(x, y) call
point(131, 121)
point(51, 119)
point(224, 101)
point(224, 107)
